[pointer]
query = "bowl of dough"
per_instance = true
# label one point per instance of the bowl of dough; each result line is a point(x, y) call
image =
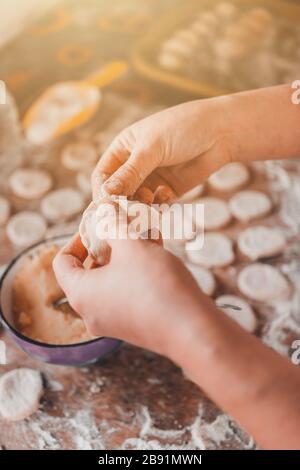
point(28, 296)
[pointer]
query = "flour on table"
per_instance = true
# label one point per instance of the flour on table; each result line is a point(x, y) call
point(245, 317)
point(248, 205)
point(230, 177)
point(260, 242)
point(216, 252)
point(263, 282)
point(20, 393)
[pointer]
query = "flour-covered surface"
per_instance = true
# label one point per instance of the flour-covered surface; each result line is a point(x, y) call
point(134, 400)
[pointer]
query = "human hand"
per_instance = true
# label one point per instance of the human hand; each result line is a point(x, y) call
point(144, 295)
point(178, 148)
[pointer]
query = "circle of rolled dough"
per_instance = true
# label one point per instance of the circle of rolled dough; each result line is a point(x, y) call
point(4, 210)
point(169, 60)
point(230, 177)
point(30, 183)
point(216, 252)
point(20, 393)
point(263, 283)
point(260, 242)
point(203, 277)
point(216, 213)
point(244, 317)
point(26, 228)
point(248, 205)
point(62, 204)
point(78, 156)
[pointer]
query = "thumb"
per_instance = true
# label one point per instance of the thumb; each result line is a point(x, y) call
point(129, 176)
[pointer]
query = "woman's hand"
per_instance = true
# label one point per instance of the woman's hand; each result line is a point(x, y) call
point(179, 148)
point(144, 295)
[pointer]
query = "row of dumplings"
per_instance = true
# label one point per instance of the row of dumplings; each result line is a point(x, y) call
point(55, 205)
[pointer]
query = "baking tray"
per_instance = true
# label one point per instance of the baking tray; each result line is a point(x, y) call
point(143, 55)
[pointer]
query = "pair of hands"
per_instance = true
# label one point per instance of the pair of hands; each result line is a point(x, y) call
point(143, 293)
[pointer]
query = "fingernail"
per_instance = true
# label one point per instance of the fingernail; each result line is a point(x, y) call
point(113, 187)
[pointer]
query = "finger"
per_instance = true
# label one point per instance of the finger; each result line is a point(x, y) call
point(164, 195)
point(129, 176)
point(144, 195)
point(109, 163)
point(68, 263)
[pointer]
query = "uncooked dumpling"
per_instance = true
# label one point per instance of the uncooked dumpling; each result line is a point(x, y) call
point(20, 393)
point(244, 317)
point(230, 177)
point(260, 242)
point(263, 282)
point(247, 205)
point(216, 251)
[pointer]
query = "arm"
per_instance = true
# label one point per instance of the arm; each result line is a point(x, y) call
point(172, 317)
point(181, 146)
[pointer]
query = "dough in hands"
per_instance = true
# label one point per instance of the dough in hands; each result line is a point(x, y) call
point(192, 193)
point(216, 213)
point(93, 228)
point(263, 283)
point(26, 228)
point(216, 251)
point(4, 210)
point(248, 205)
point(20, 393)
point(260, 242)
point(204, 278)
point(62, 204)
point(244, 317)
point(30, 183)
point(230, 177)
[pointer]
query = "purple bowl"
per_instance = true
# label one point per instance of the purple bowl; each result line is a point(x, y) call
point(78, 354)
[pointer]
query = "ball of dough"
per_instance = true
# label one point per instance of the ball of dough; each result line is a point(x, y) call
point(78, 156)
point(20, 393)
point(62, 204)
point(30, 183)
point(216, 252)
point(204, 278)
point(263, 283)
point(230, 177)
point(26, 228)
point(216, 213)
point(244, 317)
point(4, 211)
point(260, 242)
point(248, 205)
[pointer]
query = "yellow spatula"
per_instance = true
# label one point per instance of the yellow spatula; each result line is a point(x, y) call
point(66, 105)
